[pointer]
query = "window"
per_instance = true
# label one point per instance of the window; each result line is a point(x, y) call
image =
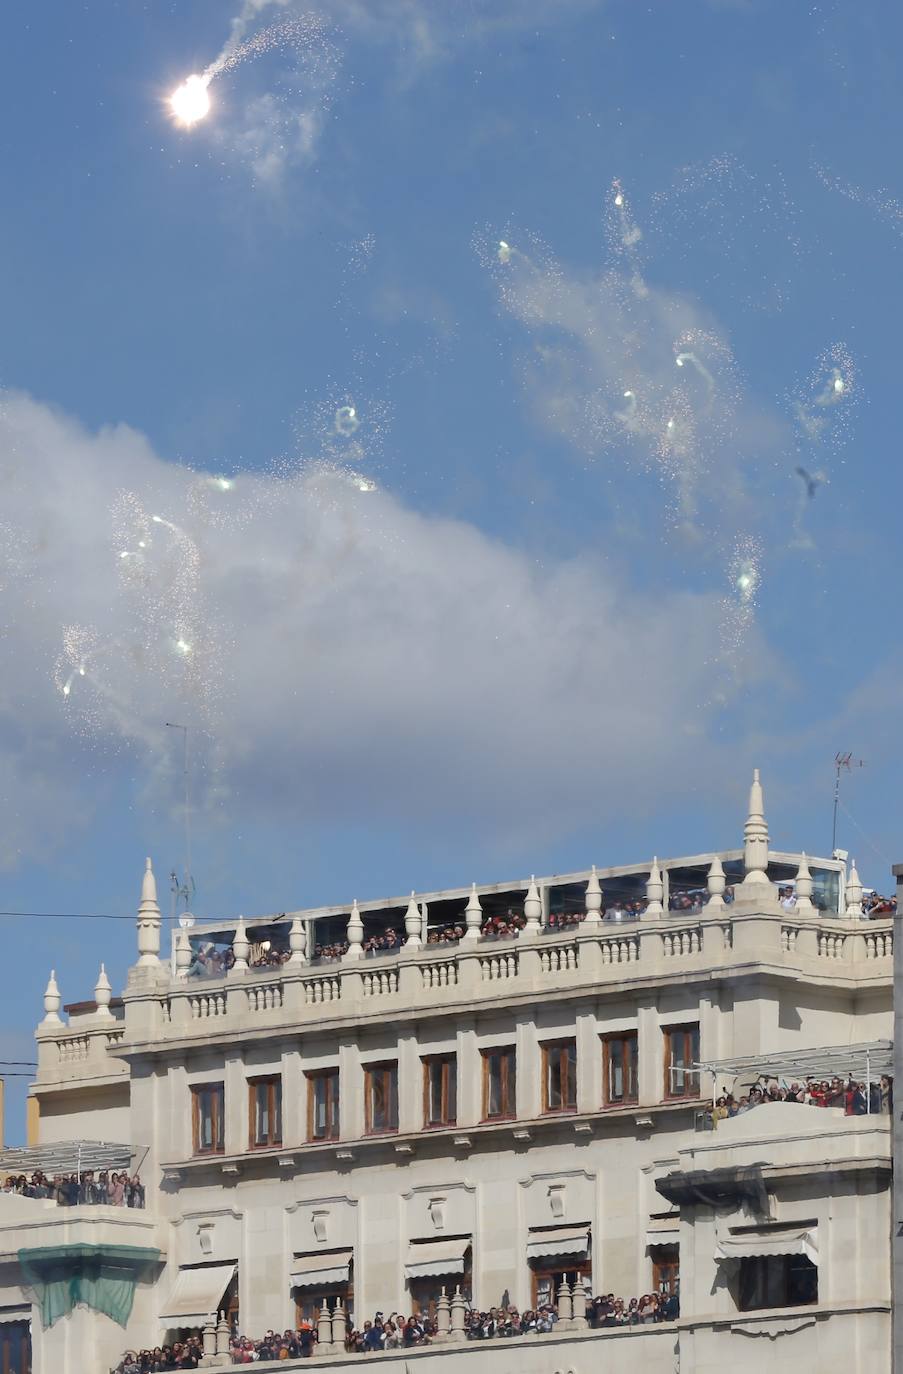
point(323, 1105)
point(265, 1111)
point(308, 1301)
point(548, 1279)
point(681, 1053)
point(665, 1268)
point(15, 1347)
point(381, 1098)
point(776, 1281)
point(425, 1293)
point(559, 1076)
point(207, 1118)
point(619, 1054)
point(499, 1083)
point(440, 1090)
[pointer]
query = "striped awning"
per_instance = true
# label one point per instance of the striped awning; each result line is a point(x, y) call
point(433, 1258)
point(769, 1240)
point(197, 1294)
point(312, 1271)
point(559, 1242)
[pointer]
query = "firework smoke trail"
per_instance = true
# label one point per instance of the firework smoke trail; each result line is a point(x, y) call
point(705, 374)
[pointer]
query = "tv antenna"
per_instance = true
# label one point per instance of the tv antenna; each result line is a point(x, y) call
point(184, 891)
point(843, 763)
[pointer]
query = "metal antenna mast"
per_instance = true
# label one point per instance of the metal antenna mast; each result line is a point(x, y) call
point(185, 890)
point(842, 763)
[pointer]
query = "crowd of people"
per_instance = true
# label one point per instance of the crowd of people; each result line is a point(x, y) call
point(873, 904)
point(397, 1332)
point(74, 1190)
point(856, 1098)
point(691, 901)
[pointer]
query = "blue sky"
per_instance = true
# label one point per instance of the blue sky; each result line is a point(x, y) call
point(529, 647)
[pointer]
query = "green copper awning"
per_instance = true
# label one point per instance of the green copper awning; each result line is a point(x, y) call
point(102, 1277)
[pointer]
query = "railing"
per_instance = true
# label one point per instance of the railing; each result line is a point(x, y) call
point(650, 949)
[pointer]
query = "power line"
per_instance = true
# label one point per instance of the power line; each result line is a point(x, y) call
point(68, 915)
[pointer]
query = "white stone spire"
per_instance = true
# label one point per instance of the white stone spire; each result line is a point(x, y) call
point(183, 954)
point(803, 889)
point(655, 890)
point(240, 947)
point(593, 899)
point(854, 893)
point(103, 994)
point(716, 884)
point(297, 940)
point(148, 919)
point(412, 924)
point(533, 909)
point(755, 837)
point(473, 915)
point(52, 1002)
point(355, 933)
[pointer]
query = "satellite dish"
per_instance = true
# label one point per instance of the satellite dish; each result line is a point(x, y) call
point(186, 920)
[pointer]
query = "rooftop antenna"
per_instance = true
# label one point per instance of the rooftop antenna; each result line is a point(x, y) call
point(843, 763)
point(184, 891)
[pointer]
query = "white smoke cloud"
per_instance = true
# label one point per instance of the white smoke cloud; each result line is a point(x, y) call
point(346, 654)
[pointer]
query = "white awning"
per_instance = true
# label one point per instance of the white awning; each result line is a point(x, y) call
point(801, 1240)
point(312, 1271)
point(196, 1294)
point(437, 1257)
point(563, 1241)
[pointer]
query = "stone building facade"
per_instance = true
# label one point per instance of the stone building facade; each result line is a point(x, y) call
point(483, 1118)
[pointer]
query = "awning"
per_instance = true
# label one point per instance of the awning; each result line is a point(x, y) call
point(312, 1271)
point(196, 1294)
point(801, 1240)
point(436, 1257)
point(563, 1241)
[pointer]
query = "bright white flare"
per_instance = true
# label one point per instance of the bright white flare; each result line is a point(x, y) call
point(191, 101)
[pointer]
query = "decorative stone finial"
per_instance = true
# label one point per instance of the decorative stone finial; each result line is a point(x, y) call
point(148, 919)
point(240, 947)
point(803, 889)
point(854, 894)
point(355, 935)
point(593, 899)
point(297, 940)
point(533, 910)
point(755, 837)
point(52, 1002)
point(183, 954)
point(103, 993)
point(655, 890)
point(412, 923)
point(716, 884)
point(473, 915)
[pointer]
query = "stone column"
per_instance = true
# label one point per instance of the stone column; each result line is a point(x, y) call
point(297, 941)
point(52, 1002)
point(803, 889)
point(209, 1337)
point(183, 954)
point(148, 919)
point(103, 994)
point(443, 1317)
point(565, 1311)
point(854, 895)
point(456, 1329)
point(222, 1336)
point(339, 1326)
point(578, 1304)
point(324, 1330)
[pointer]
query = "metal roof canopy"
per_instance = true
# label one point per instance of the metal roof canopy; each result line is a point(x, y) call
point(868, 1060)
point(68, 1157)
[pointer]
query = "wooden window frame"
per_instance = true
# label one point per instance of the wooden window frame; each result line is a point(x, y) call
point(507, 1082)
point(449, 1066)
point(389, 1068)
point(272, 1083)
point(665, 1268)
point(579, 1268)
point(560, 1049)
point(689, 1092)
point(308, 1301)
point(22, 1331)
point(426, 1308)
point(628, 1063)
point(333, 1103)
point(218, 1118)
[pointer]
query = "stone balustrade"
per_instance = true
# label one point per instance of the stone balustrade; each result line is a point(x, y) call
point(590, 954)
